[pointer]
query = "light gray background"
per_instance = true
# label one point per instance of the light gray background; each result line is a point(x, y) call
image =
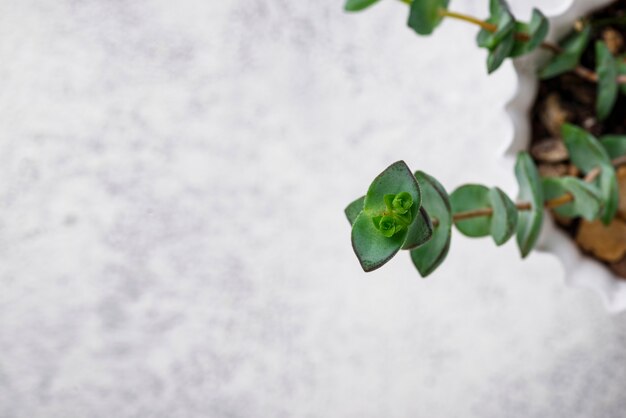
point(172, 242)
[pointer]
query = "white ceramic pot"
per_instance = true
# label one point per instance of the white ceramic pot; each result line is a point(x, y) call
point(579, 270)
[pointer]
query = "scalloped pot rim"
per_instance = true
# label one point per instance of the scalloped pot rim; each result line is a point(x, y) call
point(580, 271)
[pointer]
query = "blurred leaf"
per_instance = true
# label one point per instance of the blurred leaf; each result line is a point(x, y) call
point(424, 15)
point(536, 30)
point(430, 255)
point(471, 197)
point(420, 231)
point(530, 190)
point(587, 199)
point(358, 5)
point(614, 145)
point(569, 58)
point(497, 56)
point(504, 218)
point(606, 69)
point(501, 17)
point(354, 208)
point(587, 153)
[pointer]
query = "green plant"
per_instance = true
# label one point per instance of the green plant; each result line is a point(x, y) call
point(505, 37)
point(413, 211)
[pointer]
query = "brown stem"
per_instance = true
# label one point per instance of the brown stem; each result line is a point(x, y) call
point(581, 71)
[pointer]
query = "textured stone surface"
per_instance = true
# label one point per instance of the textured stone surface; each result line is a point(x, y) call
point(172, 243)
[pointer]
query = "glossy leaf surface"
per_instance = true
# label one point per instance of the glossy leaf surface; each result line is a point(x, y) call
point(587, 153)
point(606, 69)
point(358, 5)
point(354, 208)
point(504, 218)
point(471, 197)
point(530, 190)
point(424, 16)
point(430, 255)
point(420, 231)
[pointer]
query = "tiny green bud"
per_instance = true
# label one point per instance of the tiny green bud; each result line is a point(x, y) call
point(387, 226)
point(388, 199)
point(402, 202)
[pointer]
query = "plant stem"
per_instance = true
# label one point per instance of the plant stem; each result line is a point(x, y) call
point(522, 206)
point(581, 71)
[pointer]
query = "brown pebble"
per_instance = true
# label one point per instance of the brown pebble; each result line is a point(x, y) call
point(573, 171)
point(589, 123)
point(607, 243)
point(553, 170)
point(553, 115)
point(550, 151)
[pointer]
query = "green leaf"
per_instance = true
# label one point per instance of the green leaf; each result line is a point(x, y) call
point(430, 255)
point(501, 17)
point(615, 145)
point(372, 248)
point(467, 198)
point(587, 199)
point(376, 234)
point(358, 5)
point(420, 231)
point(536, 30)
point(424, 16)
point(354, 208)
point(504, 218)
point(501, 42)
point(395, 179)
point(587, 153)
point(569, 58)
point(606, 69)
point(530, 190)
point(500, 53)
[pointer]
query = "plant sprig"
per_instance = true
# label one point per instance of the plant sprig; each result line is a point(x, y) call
point(505, 37)
point(413, 211)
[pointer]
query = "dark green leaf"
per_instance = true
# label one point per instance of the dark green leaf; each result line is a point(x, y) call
point(497, 56)
point(587, 199)
point(420, 231)
point(467, 198)
point(569, 58)
point(529, 221)
point(615, 145)
point(606, 69)
point(372, 248)
point(424, 16)
point(536, 30)
point(504, 218)
point(358, 5)
point(430, 255)
point(354, 208)
point(587, 153)
point(504, 21)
